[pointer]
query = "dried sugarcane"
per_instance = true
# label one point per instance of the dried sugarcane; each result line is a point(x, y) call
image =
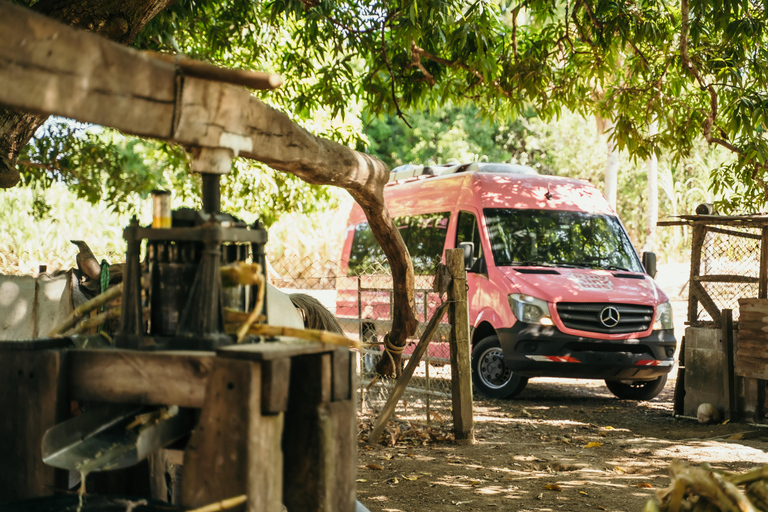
point(85, 308)
point(702, 489)
point(223, 504)
point(292, 332)
point(95, 321)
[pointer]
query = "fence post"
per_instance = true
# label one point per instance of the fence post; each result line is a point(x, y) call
point(461, 371)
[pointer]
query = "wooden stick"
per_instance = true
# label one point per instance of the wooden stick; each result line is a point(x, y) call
point(223, 504)
point(199, 69)
point(95, 321)
point(80, 311)
point(405, 377)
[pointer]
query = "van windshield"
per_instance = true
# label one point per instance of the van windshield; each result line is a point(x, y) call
point(559, 238)
point(424, 235)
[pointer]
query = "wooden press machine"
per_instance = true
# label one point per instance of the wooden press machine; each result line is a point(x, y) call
point(273, 419)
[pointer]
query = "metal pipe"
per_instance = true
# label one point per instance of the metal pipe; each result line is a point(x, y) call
point(211, 192)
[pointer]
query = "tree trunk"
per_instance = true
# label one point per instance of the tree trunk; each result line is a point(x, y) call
point(118, 20)
point(652, 219)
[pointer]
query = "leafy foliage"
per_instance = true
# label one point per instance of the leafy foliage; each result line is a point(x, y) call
point(697, 69)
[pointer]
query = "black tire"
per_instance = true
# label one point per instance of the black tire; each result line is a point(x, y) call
point(489, 374)
point(638, 389)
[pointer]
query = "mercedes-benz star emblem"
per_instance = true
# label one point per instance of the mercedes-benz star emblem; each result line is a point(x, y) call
point(609, 317)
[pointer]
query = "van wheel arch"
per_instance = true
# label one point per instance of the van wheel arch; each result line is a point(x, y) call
point(482, 331)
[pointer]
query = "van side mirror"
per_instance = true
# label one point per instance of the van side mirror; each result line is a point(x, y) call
point(469, 250)
point(649, 262)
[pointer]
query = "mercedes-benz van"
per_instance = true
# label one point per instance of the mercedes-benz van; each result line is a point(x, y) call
point(556, 288)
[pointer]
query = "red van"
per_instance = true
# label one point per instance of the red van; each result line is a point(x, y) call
point(556, 288)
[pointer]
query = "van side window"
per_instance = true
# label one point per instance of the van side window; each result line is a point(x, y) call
point(467, 231)
point(424, 235)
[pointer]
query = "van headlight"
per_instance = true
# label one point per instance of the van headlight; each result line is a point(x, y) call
point(529, 309)
point(663, 317)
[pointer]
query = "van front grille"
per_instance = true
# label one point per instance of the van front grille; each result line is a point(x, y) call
point(586, 316)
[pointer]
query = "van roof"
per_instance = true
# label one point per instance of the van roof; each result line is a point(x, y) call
point(430, 194)
point(412, 170)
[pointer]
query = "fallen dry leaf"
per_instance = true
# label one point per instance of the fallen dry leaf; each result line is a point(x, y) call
point(374, 466)
point(553, 487)
point(540, 496)
point(593, 444)
point(644, 485)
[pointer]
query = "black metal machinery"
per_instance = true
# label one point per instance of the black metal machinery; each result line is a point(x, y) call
point(183, 294)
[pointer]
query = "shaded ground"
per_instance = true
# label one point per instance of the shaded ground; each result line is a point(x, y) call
point(561, 445)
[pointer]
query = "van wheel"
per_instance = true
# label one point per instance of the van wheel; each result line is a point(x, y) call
point(637, 389)
point(489, 374)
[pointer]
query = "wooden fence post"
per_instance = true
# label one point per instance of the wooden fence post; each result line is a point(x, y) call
point(461, 370)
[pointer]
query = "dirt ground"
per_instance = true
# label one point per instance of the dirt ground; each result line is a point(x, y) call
point(565, 445)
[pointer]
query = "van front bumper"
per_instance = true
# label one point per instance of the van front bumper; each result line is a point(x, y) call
point(539, 351)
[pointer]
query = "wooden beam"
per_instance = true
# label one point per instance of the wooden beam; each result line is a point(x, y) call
point(725, 278)
point(49, 68)
point(129, 376)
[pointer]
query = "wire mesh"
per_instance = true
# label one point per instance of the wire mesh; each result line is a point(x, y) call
point(730, 266)
point(363, 305)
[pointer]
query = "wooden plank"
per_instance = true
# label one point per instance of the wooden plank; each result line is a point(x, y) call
point(402, 382)
point(275, 385)
point(33, 399)
point(729, 376)
point(286, 347)
point(730, 232)
point(725, 278)
point(461, 368)
point(55, 69)
point(234, 450)
point(751, 358)
point(318, 440)
point(342, 375)
point(129, 376)
point(699, 294)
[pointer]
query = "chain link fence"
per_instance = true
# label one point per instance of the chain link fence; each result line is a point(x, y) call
point(729, 269)
point(363, 305)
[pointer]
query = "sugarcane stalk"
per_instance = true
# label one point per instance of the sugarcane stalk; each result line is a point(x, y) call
point(222, 505)
point(95, 321)
point(85, 308)
point(305, 334)
point(244, 328)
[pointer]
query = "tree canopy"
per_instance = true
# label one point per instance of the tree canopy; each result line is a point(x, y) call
point(696, 68)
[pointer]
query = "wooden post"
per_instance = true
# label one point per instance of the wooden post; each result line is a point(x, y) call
point(235, 448)
point(763, 274)
point(461, 369)
point(697, 245)
point(729, 374)
point(33, 398)
point(320, 434)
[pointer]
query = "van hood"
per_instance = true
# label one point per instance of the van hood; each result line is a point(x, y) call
point(557, 284)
